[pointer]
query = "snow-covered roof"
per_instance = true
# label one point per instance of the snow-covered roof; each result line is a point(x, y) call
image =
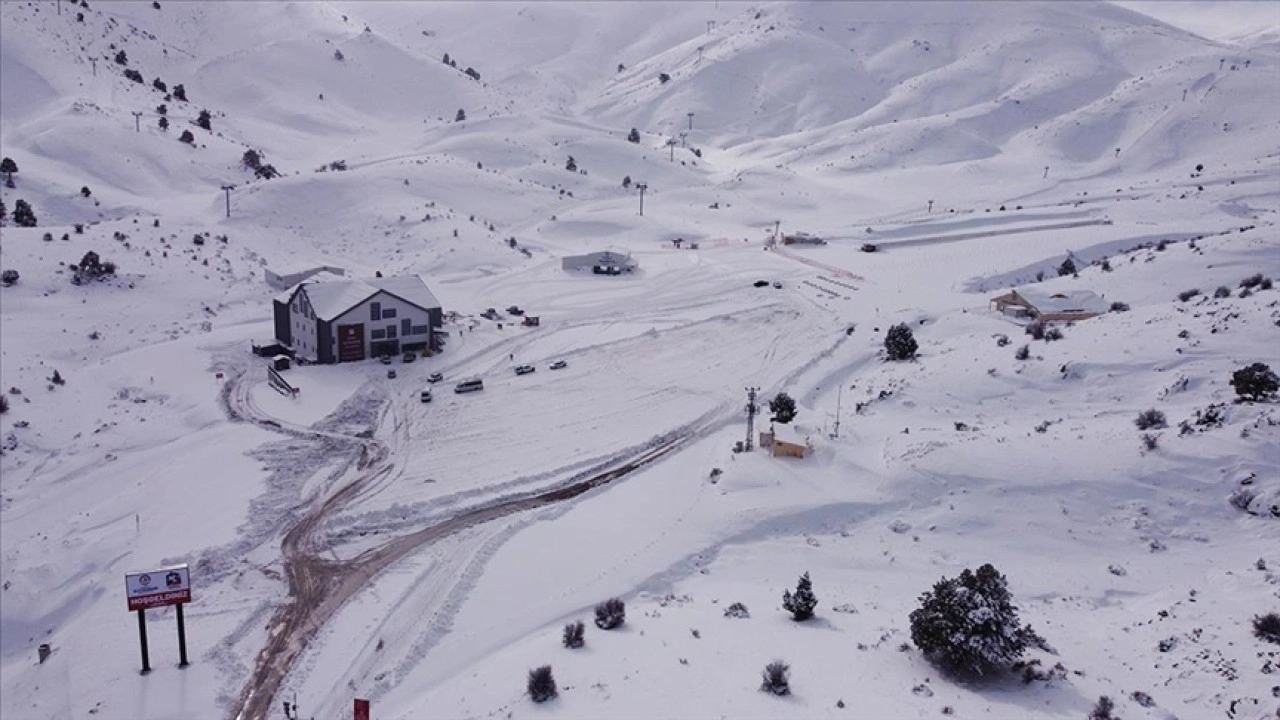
point(1072, 301)
point(331, 295)
point(293, 266)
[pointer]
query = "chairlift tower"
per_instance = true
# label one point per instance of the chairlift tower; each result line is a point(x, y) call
point(752, 409)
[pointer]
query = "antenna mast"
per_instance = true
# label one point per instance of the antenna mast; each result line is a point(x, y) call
point(751, 416)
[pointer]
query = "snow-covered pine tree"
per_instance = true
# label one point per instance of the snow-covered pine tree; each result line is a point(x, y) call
point(970, 624)
point(802, 603)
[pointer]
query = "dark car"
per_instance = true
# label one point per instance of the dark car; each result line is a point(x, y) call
point(515, 310)
point(869, 247)
point(559, 365)
point(524, 369)
point(410, 357)
point(761, 283)
point(391, 374)
point(435, 377)
point(425, 395)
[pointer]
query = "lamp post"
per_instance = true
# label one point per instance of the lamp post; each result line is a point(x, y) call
point(642, 187)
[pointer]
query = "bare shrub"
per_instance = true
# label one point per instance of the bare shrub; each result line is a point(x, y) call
point(775, 678)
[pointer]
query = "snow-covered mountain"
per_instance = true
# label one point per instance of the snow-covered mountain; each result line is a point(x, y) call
point(974, 146)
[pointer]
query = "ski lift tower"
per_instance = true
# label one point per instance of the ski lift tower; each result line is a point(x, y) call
point(752, 409)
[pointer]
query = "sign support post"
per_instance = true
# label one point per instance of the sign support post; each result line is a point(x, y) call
point(142, 639)
point(182, 638)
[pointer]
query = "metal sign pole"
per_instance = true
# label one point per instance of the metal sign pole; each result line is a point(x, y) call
point(142, 638)
point(182, 639)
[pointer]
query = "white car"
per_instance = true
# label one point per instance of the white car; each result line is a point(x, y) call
point(559, 365)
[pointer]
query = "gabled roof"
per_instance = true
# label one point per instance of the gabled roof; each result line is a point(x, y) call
point(331, 296)
point(1071, 301)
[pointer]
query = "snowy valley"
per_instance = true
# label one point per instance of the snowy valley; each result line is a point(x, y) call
point(351, 541)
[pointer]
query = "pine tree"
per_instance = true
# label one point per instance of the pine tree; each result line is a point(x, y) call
point(783, 408)
point(970, 624)
point(610, 614)
point(204, 120)
point(571, 165)
point(626, 181)
point(160, 85)
point(1255, 382)
point(446, 60)
point(541, 685)
point(573, 635)
point(180, 92)
point(899, 343)
point(164, 123)
point(462, 115)
point(121, 58)
point(634, 136)
point(23, 215)
point(775, 678)
point(8, 167)
point(1068, 267)
point(802, 603)
point(8, 277)
point(4, 212)
point(186, 137)
point(251, 159)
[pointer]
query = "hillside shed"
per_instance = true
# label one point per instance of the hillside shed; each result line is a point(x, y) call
point(287, 274)
point(620, 262)
point(784, 442)
point(331, 319)
point(1051, 307)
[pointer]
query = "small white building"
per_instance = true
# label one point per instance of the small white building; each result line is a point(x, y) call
point(285, 275)
point(1065, 306)
point(607, 262)
point(329, 319)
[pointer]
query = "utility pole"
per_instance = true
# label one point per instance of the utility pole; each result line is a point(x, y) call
point(777, 224)
point(684, 137)
point(690, 114)
point(227, 189)
point(671, 143)
point(699, 53)
point(712, 23)
point(835, 431)
point(751, 416)
point(59, 7)
point(1046, 171)
point(642, 187)
point(95, 66)
point(930, 206)
point(137, 121)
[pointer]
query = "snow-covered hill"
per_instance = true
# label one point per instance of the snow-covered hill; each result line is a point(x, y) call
point(976, 146)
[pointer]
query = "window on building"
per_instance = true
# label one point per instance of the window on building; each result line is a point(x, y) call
point(420, 330)
point(406, 327)
point(388, 313)
point(391, 332)
point(379, 334)
point(375, 311)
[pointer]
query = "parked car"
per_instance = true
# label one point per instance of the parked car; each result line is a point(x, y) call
point(435, 377)
point(515, 310)
point(386, 359)
point(467, 386)
point(425, 395)
point(777, 284)
point(559, 365)
point(761, 283)
point(391, 374)
point(524, 369)
point(410, 357)
point(868, 247)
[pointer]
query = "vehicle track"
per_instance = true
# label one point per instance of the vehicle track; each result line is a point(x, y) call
point(319, 586)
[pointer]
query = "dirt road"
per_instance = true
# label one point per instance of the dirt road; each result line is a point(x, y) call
point(318, 587)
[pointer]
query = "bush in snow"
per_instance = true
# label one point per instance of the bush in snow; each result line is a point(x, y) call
point(737, 610)
point(969, 624)
point(56, 378)
point(571, 165)
point(783, 408)
point(23, 215)
point(775, 678)
point(91, 267)
point(1022, 353)
point(573, 635)
point(899, 343)
point(802, 603)
point(159, 85)
point(663, 78)
point(1255, 382)
point(204, 120)
point(1102, 709)
point(185, 137)
point(1267, 627)
point(164, 124)
point(134, 75)
point(634, 136)
point(1222, 292)
point(1148, 419)
point(1035, 330)
point(1186, 295)
point(4, 404)
point(541, 685)
point(180, 92)
point(1252, 281)
point(460, 116)
point(610, 614)
point(1150, 441)
point(1068, 267)
point(1052, 333)
point(121, 58)
point(1118, 306)
point(472, 73)
point(251, 159)
point(4, 212)
point(8, 277)
point(337, 55)
point(626, 181)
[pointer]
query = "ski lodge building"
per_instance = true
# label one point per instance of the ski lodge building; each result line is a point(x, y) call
point(1051, 307)
point(329, 319)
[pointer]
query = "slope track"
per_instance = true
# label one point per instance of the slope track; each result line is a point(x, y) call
point(318, 587)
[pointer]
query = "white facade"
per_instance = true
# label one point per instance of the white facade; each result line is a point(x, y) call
point(394, 317)
point(302, 325)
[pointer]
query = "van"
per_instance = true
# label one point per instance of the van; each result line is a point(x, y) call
point(425, 395)
point(469, 386)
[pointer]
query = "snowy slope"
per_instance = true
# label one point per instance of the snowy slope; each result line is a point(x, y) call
point(976, 145)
